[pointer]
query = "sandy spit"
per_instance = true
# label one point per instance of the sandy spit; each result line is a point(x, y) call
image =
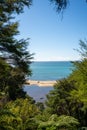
point(41, 83)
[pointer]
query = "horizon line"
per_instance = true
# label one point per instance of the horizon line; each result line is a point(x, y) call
point(54, 60)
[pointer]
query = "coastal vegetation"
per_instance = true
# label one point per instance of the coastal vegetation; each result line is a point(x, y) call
point(66, 104)
point(14, 56)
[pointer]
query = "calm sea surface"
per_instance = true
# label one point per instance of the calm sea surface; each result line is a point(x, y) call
point(47, 71)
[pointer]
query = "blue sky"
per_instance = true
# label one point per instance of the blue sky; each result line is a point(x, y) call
point(54, 37)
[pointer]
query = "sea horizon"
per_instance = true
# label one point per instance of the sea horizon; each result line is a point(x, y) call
point(54, 60)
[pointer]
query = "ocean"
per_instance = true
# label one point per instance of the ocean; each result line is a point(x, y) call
point(47, 71)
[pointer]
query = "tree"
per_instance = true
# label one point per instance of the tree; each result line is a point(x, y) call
point(83, 49)
point(59, 123)
point(60, 102)
point(25, 111)
point(8, 121)
point(79, 75)
point(69, 96)
point(60, 4)
point(14, 56)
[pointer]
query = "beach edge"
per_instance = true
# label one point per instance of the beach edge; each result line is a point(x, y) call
point(41, 83)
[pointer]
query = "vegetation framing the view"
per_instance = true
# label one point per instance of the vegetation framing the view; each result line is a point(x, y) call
point(66, 104)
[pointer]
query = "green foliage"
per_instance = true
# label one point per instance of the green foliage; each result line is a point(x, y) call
point(66, 104)
point(14, 6)
point(69, 96)
point(8, 121)
point(15, 59)
point(61, 122)
point(23, 108)
point(59, 100)
point(43, 116)
point(5, 70)
point(79, 75)
point(19, 114)
point(31, 124)
point(40, 105)
point(83, 48)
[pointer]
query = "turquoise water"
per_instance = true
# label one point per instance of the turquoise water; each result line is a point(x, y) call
point(47, 71)
point(50, 70)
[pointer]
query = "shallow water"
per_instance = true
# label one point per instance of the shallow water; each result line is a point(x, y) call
point(38, 93)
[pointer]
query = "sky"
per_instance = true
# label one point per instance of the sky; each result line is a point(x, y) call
point(53, 36)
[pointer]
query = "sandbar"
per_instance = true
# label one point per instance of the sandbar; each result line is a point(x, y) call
point(41, 83)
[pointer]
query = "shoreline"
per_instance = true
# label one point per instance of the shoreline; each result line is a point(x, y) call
point(41, 83)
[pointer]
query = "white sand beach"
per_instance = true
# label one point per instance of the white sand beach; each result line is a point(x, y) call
point(41, 83)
